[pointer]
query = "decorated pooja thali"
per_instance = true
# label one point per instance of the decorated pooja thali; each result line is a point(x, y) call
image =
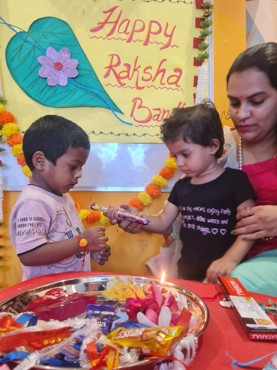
point(101, 322)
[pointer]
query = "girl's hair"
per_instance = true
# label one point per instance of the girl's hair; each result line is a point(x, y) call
point(262, 57)
point(53, 135)
point(199, 124)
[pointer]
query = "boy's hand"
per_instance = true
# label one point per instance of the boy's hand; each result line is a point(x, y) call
point(96, 238)
point(101, 256)
point(221, 267)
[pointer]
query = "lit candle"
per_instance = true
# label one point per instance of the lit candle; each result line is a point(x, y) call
point(162, 279)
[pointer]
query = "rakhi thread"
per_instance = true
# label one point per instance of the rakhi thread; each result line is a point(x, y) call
point(251, 362)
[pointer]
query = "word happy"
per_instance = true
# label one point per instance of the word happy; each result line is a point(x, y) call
point(115, 25)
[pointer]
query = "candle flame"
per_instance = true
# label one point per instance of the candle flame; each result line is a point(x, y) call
point(162, 278)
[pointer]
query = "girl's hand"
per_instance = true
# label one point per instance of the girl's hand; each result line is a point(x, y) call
point(221, 267)
point(125, 224)
point(257, 222)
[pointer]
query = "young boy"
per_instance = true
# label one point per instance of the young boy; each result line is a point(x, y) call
point(207, 197)
point(45, 227)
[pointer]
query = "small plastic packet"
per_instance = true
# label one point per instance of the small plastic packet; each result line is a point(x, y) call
point(157, 341)
point(104, 314)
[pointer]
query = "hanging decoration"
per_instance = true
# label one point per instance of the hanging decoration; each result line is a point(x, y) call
point(201, 43)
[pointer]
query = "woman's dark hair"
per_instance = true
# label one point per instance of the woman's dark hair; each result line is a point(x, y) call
point(53, 135)
point(262, 57)
point(199, 124)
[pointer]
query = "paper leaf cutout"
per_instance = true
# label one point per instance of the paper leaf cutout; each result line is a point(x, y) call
point(22, 54)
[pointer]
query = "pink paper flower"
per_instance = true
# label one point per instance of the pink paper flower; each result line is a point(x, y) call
point(153, 307)
point(57, 66)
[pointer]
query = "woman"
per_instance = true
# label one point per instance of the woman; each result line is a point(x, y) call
point(252, 93)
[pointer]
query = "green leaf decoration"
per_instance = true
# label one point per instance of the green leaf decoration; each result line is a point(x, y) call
point(22, 54)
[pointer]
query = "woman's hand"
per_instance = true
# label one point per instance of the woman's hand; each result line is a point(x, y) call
point(257, 222)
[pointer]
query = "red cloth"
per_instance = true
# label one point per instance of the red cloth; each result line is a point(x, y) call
point(263, 177)
point(224, 338)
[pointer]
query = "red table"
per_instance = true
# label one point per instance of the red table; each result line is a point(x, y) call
point(223, 339)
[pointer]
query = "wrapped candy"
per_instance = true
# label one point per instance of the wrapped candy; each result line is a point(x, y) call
point(56, 304)
point(150, 341)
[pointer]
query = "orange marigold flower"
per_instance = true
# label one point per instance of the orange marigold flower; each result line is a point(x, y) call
point(14, 139)
point(136, 203)
point(21, 160)
point(153, 190)
point(167, 173)
point(93, 216)
point(6, 117)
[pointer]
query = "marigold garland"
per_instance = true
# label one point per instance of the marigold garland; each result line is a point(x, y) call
point(6, 116)
point(153, 190)
point(144, 198)
point(11, 134)
point(13, 137)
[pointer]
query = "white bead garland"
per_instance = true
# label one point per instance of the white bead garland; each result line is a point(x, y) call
point(240, 154)
point(202, 84)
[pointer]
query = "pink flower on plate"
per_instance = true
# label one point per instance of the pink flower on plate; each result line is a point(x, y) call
point(57, 66)
point(157, 308)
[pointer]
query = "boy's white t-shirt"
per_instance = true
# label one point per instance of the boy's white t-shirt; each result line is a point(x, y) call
point(40, 217)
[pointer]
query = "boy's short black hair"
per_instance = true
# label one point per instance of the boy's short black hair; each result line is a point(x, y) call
point(53, 135)
point(198, 124)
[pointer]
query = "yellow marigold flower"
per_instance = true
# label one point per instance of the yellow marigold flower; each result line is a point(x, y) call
point(26, 170)
point(84, 214)
point(160, 181)
point(9, 129)
point(2, 107)
point(104, 220)
point(145, 198)
point(171, 163)
point(17, 150)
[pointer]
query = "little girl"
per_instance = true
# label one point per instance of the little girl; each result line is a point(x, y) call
point(208, 196)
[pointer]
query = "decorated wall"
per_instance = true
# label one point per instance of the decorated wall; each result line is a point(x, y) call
point(116, 67)
point(226, 42)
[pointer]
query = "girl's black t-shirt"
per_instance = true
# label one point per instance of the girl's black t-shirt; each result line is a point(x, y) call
point(208, 217)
